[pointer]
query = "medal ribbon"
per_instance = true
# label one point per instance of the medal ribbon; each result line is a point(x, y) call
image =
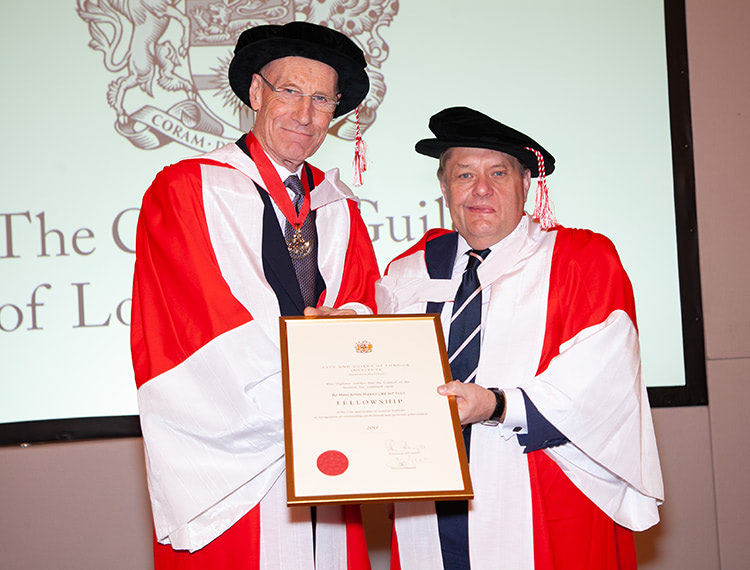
point(275, 187)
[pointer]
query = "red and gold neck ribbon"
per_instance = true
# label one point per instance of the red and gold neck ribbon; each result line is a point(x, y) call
point(275, 187)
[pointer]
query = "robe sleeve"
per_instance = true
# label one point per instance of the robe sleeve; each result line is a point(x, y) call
point(209, 390)
point(589, 383)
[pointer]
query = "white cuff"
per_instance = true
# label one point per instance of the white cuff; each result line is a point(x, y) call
point(515, 422)
point(358, 308)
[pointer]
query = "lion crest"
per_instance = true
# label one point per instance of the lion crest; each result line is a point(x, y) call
point(171, 63)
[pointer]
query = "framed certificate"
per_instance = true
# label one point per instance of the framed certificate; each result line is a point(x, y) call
point(362, 417)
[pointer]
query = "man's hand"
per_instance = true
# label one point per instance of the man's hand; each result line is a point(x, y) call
point(327, 312)
point(474, 402)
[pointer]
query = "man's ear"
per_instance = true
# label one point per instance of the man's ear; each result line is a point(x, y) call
point(255, 88)
point(526, 184)
point(444, 191)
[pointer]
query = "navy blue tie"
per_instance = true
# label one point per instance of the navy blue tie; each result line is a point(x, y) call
point(464, 343)
point(464, 339)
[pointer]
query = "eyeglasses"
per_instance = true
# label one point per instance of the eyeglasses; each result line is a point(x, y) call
point(289, 95)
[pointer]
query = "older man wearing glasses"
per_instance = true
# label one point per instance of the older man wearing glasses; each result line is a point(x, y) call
point(226, 243)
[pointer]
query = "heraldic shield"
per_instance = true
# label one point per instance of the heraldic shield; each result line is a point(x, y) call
point(171, 59)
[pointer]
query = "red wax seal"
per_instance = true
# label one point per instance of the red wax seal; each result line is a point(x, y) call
point(332, 463)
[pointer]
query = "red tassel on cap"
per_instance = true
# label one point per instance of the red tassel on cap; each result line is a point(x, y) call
point(360, 154)
point(542, 206)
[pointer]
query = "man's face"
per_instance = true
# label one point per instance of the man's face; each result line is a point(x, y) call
point(485, 191)
point(292, 132)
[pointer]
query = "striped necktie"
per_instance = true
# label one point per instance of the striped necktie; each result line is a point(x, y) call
point(304, 267)
point(464, 342)
point(464, 339)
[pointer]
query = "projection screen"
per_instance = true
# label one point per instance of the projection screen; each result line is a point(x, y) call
point(101, 94)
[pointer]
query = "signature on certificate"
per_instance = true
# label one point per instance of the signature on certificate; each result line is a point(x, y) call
point(403, 454)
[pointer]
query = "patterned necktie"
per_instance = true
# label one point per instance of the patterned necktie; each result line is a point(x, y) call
point(305, 267)
point(464, 342)
point(464, 337)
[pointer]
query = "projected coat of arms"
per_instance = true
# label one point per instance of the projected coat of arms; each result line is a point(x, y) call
point(171, 59)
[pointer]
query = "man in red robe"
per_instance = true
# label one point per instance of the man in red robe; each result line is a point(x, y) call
point(543, 344)
point(226, 243)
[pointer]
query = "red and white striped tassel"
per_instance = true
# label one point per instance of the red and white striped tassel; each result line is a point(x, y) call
point(542, 206)
point(360, 154)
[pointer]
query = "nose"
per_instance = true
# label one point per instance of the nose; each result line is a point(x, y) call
point(304, 111)
point(482, 186)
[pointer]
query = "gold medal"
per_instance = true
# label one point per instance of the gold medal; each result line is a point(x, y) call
point(298, 247)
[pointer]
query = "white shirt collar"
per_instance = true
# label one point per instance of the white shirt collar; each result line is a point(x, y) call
point(463, 246)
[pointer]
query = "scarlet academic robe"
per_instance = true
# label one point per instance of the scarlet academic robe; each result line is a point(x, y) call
point(561, 333)
point(205, 345)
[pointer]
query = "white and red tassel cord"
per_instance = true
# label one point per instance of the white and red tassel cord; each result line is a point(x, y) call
point(542, 206)
point(360, 153)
